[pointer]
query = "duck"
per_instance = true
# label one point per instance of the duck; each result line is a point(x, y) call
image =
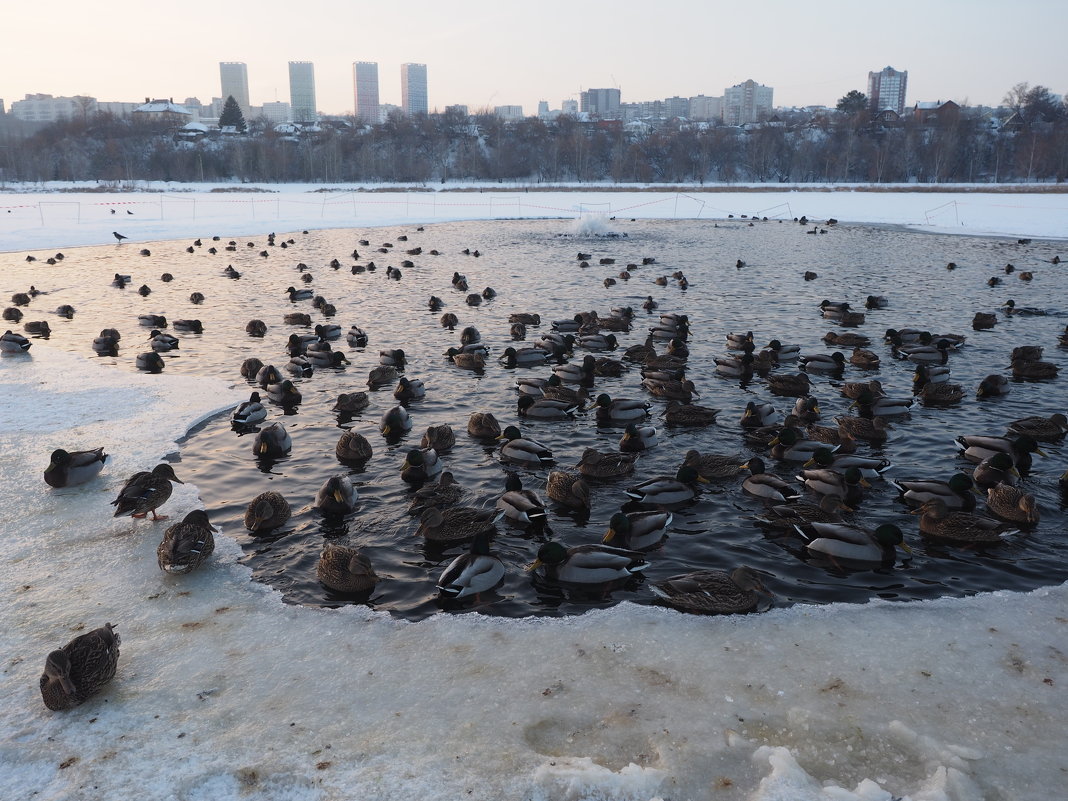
point(730, 366)
point(382, 375)
point(38, 327)
point(979, 447)
point(791, 385)
point(807, 410)
point(440, 438)
point(544, 408)
point(250, 412)
point(299, 367)
point(449, 320)
point(638, 531)
point(265, 375)
point(985, 320)
point(854, 389)
point(356, 337)
point(1043, 429)
point(266, 512)
point(1011, 308)
point(519, 450)
point(299, 294)
point(150, 362)
point(757, 415)
point(337, 496)
point(689, 414)
point(587, 564)
point(598, 342)
point(523, 357)
point(256, 328)
point(957, 493)
point(353, 448)
point(468, 361)
point(80, 668)
point(676, 390)
point(71, 468)
point(483, 425)
point(713, 466)
point(864, 359)
point(929, 374)
point(420, 465)
point(846, 339)
point(409, 389)
point(761, 484)
point(993, 386)
point(395, 421)
point(572, 373)
point(524, 318)
point(869, 466)
point(847, 485)
point(554, 389)
point(145, 492)
point(620, 409)
point(871, 405)
point(296, 318)
point(739, 341)
point(998, 468)
point(530, 385)
point(713, 592)
point(392, 357)
point(327, 331)
point(823, 362)
point(521, 506)
point(784, 517)
point(186, 545)
point(445, 492)
point(325, 357)
point(853, 543)
point(637, 438)
point(791, 446)
point(938, 522)
point(568, 489)
point(345, 570)
point(284, 393)
point(1012, 504)
point(1033, 369)
point(605, 465)
point(351, 402)
point(943, 394)
point(192, 326)
point(472, 573)
point(667, 490)
point(272, 441)
point(455, 524)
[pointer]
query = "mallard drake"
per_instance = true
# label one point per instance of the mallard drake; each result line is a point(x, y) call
point(824, 362)
point(284, 393)
point(80, 668)
point(299, 367)
point(790, 445)
point(455, 524)
point(522, 506)
point(875, 406)
point(299, 294)
point(1033, 369)
point(1011, 308)
point(345, 570)
point(70, 468)
point(790, 385)
point(757, 415)
point(351, 402)
point(150, 362)
point(186, 545)
point(848, 486)
point(761, 484)
point(978, 447)
point(637, 438)
point(392, 357)
point(272, 441)
point(599, 464)
point(713, 466)
point(328, 331)
point(445, 492)
point(483, 425)
point(475, 360)
point(1012, 504)
point(356, 337)
point(638, 531)
point(409, 389)
point(267, 511)
point(420, 465)
point(783, 353)
point(1045, 429)
point(519, 450)
point(477, 571)
point(255, 370)
point(713, 592)
point(684, 391)
point(869, 466)
point(568, 489)
point(250, 412)
point(337, 496)
point(145, 492)
point(853, 543)
point(998, 468)
point(958, 493)
point(620, 409)
point(192, 326)
point(665, 490)
point(938, 522)
point(152, 320)
point(929, 374)
point(530, 385)
point(587, 564)
point(395, 421)
point(325, 357)
point(993, 386)
point(730, 366)
point(572, 373)
point(739, 341)
point(533, 408)
point(353, 448)
point(523, 357)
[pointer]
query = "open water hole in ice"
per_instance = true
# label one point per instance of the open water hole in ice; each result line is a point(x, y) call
point(532, 266)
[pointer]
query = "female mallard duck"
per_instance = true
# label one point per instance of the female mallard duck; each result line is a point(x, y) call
point(445, 492)
point(80, 668)
point(993, 386)
point(846, 340)
point(978, 447)
point(853, 543)
point(713, 592)
point(475, 572)
point(296, 318)
point(689, 414)
point(938, 522)
point(785, 516)
point(1033, 369)
point(525, 318)
point(870, 430)
point(351, 402)
point(420, 465)
point(441, 438)
point(554, 389)
point(467, 361)
point(587, 564)
point(998, 468)
point(761, 484)
point(284, 393)
point(337, 496)
point(941, 394)
point(1044, 429)
point(160, 342)
point(356, 337)
point(267, 511)
point(544, 408)
point(395, 421)
point(790, 385)
point(665, 490)
point(637, 438)
point(345, 570)
point(684, 391)
point(70, 468)
point(568, 489)
point(145, 492)
point(186, 545)
point(519, 450)
point(250, 412)
point(522, 506)
point(864, 359)
point(352, 447)
point(638, 531)
point(713, 466)
point(572, 373)
point(640, 354)
point(150, 362)
point(620, 409)
point(957, 493)
point(483, 425)
point(600, 464)
point(382, 375)
point(523, 357)
point(854, 389)
point(847, 486)
point(807, 410)
point(1012, 504)
point(272, 441)
point(449, 320)
point(409, 389)
point(455, 524)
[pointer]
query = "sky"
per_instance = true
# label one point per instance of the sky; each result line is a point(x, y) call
point(484, 53)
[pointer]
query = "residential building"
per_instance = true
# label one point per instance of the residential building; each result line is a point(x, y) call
point(746, 102)
point(302, 92)
point(162, 111)
point(569, 107)
point(365, 87)
point(277, 111)
point(413, 89)
point(45, 108)
point(704, 108)
point(886, 90)
point(600, 102)
point(120, 108)
point(459, 108)
point(509, 113)
point(233, 77)
point(677, 107)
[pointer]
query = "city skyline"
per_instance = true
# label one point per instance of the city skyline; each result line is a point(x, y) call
point(492, 56)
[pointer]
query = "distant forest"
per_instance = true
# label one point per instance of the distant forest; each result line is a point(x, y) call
point(962, 146)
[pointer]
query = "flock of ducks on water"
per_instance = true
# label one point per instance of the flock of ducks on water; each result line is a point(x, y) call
point(829, 465)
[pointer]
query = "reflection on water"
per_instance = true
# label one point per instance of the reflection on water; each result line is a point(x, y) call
point(532, 267)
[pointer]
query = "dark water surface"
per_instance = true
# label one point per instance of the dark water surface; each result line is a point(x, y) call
point(532, 266)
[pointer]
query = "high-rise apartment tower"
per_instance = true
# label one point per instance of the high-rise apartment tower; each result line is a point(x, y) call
point(302, 91)
point(233, 75)
point(365, 87)
point(413, 89)
point(886, 90)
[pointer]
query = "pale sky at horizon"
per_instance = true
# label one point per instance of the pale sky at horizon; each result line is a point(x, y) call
point(484, 54)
